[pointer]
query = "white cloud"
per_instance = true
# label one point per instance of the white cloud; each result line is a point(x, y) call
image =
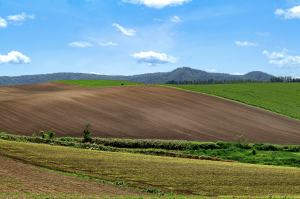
point(157, 3)
point(94, 73)
point(3, 23)
point(153, 58)
point(175, 19)
point(282, 60)
point(265, 34)
point(246, 43)
point(128, 32)
point(20, 17)
point(108, 44)
point(14, 57)
point(273, 55)
point(80, 44)
point(289, 13)
point(211, 70)
point(237, 73)
point(157, 19)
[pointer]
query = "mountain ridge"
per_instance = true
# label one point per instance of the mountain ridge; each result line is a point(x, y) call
point(179, 74)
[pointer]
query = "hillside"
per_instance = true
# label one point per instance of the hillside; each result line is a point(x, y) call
point(178, 74)
point(138, 112)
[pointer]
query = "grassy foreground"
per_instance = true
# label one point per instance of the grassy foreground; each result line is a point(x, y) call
point(99, 83)
point(172, 175)
point(281, 98)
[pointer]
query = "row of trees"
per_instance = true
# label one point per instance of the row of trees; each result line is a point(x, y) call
point(212, 81)
point(240, 81)
point(284, 79)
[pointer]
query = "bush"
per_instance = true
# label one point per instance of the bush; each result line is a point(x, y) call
point(51, 134)
point(86, 134)
point(43, 135)
point(268, 147)
point(209, 145)
point(154, 190)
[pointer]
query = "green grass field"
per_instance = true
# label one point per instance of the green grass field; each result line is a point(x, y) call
point(281, 98)
point(172, 175)
point(99, 83)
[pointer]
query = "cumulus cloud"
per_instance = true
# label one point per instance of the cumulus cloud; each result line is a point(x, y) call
point(265, 34)
point(157, 19)
point(20, 17)
point(157, 3)
point(246, 43)
point(289, 13)
point(80, 44)
point(282, 60)
point(237, 73)
point(14, 57)
point(94, 73)
point(211, 70)
point(128, 32)
point(175, 19)
point(153, 58)
point(108, 44)
point(3, 23)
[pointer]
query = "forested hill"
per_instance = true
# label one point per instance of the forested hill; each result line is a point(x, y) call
point(179, 74)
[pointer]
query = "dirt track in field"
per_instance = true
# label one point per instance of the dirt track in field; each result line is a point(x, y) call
point(20, 178)
point(138, 112)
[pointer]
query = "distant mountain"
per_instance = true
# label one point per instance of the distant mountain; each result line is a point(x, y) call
point(179, 74)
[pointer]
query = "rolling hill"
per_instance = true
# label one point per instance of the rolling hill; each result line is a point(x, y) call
point(138, 112)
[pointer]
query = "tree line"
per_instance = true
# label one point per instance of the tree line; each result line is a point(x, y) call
point(240, 81)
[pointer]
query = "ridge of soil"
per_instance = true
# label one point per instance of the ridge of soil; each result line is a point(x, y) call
point(138, 112)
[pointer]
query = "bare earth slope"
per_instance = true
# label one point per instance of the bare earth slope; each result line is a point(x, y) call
point(138, 112)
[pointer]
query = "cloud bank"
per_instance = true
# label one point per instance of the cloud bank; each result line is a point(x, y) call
point(282, 60)
point(20, 17)
point(289, 13)
point(14, 57)
point(80, 44)
point(175, 19)
point(128, 32)
point(153, 58)
point(246, 43)
point(157, 3)
point(3, 23)
point(108, 44)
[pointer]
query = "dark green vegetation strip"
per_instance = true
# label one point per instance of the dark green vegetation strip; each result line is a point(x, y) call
point(172, 175)
point(253, 153)
point(281, 98)
point(100, 83)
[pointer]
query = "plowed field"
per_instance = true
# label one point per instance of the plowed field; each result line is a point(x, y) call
point(138, 112)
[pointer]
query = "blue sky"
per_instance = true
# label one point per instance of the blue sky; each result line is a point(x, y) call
point(127, 37)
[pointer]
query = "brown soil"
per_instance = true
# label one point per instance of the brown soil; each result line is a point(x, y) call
point(138, 112)
point(16, 177)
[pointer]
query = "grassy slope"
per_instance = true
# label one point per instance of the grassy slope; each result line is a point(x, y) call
point(172, 175)
point(99, 83)
point(282, 98)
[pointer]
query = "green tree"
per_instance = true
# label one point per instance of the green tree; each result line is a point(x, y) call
point(87, 133)
point(239, 138)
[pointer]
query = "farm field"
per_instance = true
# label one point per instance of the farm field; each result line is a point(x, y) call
point(281, 98)
point(17, 178)
point(138, 112)
point(99, 83)
point(172, 175)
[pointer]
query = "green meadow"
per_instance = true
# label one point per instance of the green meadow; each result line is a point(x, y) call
point(281, 98)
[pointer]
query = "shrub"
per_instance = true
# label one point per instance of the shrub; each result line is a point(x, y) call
point(268, 147)
point(50, 134)
point(43, 135)
point(208, 145)
point(154, 190)
point(87, 133)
